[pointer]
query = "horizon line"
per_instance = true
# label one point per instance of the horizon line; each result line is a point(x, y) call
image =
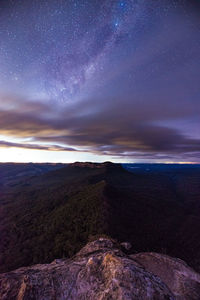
point(66, 163)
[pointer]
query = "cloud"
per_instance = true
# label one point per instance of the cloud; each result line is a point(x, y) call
point(5, 144)
point(118, 129)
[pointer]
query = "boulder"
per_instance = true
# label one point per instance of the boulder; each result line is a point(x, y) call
point(183, 281)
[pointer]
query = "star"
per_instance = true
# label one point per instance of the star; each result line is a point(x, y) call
point(116, 24)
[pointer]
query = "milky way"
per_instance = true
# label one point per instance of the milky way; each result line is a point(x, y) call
point(116, 79)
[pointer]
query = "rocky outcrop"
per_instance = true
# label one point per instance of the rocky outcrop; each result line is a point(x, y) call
point(99, 271)
point(175, 273)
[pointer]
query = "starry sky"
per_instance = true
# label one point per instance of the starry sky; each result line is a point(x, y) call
point(96, 80)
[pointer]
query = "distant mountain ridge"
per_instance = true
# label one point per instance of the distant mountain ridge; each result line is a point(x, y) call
point(12, 173)
point(93, 165)
point(51, 214)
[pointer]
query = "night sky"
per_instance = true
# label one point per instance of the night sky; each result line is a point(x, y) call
point(100, 80)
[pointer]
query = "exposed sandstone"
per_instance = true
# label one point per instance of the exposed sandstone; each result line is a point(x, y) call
point(99, 271)
point(183, 281)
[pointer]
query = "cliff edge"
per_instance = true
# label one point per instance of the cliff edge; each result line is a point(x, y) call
point(101, 270)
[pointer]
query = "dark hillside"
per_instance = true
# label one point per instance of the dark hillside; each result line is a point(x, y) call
point(52, 215)
point(13, 173)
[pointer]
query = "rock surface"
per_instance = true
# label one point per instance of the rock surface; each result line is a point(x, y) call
point(99, 271)
point(126, 245)
point(175, 273)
